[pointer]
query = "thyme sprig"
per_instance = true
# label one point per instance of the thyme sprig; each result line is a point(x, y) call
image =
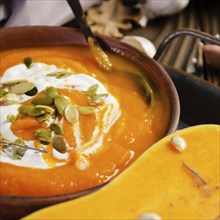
point(195, 174)
point(201, 182)
point(6, 144)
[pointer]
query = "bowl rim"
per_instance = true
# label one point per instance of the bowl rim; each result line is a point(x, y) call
point(109, 44)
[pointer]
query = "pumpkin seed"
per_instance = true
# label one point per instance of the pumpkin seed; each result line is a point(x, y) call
point(25, 109)
point(179, 143)
point(149, 216)
point(11, 99)
point(43, 135)
point(11, 117)
point(59, 144)
point(59, 75)
point(87, 110)
point(36, 112)
point(99, 97)
point(60, 103)
point(32, 92)
point(71, 114)
point(56, 128)
point(55, 74)
point(13, 82)
point(43, 101)
point(31, 110)
point(28, 61)
point(64, 75)
point(22, 88)
point(46, 108)
point(2, 92)
point(92, 90)
point(51, 92)
point(43, 117)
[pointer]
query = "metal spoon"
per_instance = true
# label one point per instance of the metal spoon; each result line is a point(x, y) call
point(100, 56)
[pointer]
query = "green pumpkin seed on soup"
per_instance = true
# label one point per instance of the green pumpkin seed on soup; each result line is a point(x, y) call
point(22, 88)
point(61, 103)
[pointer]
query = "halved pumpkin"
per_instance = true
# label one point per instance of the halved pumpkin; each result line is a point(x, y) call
point(172, 184)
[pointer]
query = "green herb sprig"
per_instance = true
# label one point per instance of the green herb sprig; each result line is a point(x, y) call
point(18, 148)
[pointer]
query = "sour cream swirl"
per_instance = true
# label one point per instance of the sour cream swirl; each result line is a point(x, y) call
point(37, 73)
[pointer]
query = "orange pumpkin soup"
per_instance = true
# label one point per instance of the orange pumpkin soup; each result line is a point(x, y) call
point(66, 125)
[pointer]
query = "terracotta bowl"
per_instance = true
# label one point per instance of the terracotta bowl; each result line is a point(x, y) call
point(14, 207)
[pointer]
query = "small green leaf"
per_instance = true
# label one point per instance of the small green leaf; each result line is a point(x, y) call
point(17, 152)
point(11, 117)
point(19, 141)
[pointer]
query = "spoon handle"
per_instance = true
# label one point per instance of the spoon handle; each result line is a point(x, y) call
point(100, 56)
point(81, 18)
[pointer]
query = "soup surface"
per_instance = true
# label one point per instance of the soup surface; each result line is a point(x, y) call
point(66, 125)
